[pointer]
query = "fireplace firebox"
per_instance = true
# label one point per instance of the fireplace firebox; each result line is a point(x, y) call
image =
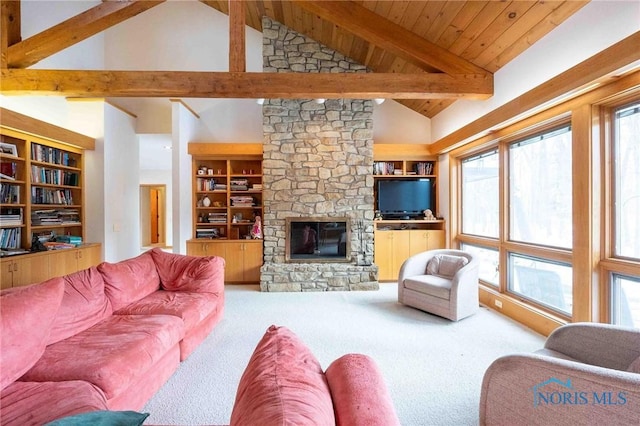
point(313, 239)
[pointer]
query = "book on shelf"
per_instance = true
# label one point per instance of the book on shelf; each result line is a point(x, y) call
point(10, 238)
point(11, 216)
point(9, 194)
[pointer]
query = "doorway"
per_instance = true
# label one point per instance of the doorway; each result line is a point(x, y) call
point(153, 215)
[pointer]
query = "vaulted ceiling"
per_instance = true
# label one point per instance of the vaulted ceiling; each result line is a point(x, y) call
point(424, 54)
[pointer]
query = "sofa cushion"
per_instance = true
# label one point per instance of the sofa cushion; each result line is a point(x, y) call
point(445, 265)
point(191, 307)
point(189, 273)
point(84, 304)
point(433, 285)
point(283, 384)
point(36, 403)
point(129, 280)
point(359, 394)
point(26, 315)
point(112, 354)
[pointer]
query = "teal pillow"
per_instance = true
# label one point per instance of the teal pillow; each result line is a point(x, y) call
point(102, 418)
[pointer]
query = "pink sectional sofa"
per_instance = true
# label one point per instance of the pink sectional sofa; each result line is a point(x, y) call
point(105, 338)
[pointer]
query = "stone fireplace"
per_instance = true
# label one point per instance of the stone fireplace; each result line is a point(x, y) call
point(317, 168)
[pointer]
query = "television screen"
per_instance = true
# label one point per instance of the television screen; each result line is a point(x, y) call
point(408, 197)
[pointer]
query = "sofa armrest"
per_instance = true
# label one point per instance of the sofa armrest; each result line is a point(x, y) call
point(359, 394)
point(537, 390)
point(594, 344)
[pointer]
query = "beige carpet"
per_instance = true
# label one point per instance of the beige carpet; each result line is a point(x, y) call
point(433, 367)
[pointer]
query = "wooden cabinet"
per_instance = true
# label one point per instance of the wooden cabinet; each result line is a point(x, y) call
point(243, 258)
point(21, 270)
point(63, 262)
point(395, 241)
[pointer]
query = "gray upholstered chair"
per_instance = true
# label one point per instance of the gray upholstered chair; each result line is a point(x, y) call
point(441, 282)
point(586, 374)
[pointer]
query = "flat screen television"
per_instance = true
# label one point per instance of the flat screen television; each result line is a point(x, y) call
point(404, 198)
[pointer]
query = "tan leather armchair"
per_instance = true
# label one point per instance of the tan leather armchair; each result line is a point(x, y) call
point(586, 374)
point(450, 292)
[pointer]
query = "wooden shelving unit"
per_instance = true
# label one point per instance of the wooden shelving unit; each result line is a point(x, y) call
point(227, 194)
point(41, 196)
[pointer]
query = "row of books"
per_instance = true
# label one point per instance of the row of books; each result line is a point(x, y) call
point(54, 176)
point(52, 155)
point(207, 233)
point(239, 184)
point(55, 217)
point(242, 201)
point(383, 168)
point(8, 170)
point(217, 218)
point(204, 184)
point(10, 238)
point(9, 194)
point(51, 196)
point(11, 217)
point(423, 168)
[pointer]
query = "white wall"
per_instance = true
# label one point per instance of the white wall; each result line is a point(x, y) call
point(184, 128)
point(121, 203)
point(592, 29)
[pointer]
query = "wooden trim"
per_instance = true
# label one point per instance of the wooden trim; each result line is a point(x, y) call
point(227, 150)
point(539, 321)
point(400, 151)
point(192, 84)
point(73, 30)
point(22, 123)
point(237, 55)
point(586, 217)
point(184, 104)
point(585, 73)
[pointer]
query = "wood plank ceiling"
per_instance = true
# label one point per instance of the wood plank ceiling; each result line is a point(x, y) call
point(487, 34)
point(419, 49)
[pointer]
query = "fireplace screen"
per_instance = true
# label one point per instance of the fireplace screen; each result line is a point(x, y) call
point(312, 239)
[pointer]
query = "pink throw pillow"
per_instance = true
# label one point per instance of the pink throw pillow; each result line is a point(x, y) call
point(26, 316)
point(84, 304)
point(189, 273)
point(283, 384)
point(129, 280)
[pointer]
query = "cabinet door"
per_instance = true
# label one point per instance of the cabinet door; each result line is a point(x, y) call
point(401, 250)
point(89, 256)
point(252, 261)
point(63, 262)
point(196, 248)
point(6, 273)
point(436, 240)
point(383, 254)
point(234, 261)
point(30, 270)
point(419, 241)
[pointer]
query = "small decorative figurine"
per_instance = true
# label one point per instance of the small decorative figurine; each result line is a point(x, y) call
point(206, 201)
point(256, 229)
point(428, 215)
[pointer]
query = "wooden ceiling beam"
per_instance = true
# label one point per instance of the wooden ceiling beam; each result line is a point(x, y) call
point(10, 29)
point(187, 84)
point(237, 55)
point(80, 27)
point(392, 37)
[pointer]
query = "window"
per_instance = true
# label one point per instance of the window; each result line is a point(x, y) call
point(480, 195)
point(627, 181)
point(542, 281)
point(625, 306)
point(540, 192)
point(489, 262)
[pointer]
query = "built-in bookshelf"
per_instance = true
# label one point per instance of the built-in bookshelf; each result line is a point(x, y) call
point(40, 190)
